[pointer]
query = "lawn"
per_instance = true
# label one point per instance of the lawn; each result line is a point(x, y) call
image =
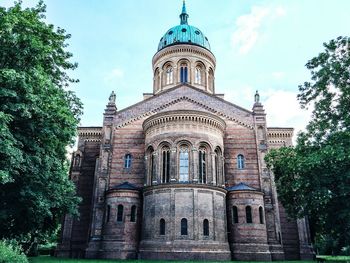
point(48, 259)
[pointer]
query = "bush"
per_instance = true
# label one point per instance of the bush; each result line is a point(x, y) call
point(10, 252)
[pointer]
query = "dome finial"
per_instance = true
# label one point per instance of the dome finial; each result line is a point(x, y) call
point(183, 15)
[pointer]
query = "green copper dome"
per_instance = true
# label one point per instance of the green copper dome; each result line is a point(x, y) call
point(184, 34)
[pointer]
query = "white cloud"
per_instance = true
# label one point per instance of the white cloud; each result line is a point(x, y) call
point(283, 110)
point(278, 75)
point(114, 74)
point(248, 26)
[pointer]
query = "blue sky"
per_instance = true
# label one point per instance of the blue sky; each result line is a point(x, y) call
point(259, 45)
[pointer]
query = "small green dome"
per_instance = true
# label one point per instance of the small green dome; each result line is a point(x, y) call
point(184, 34)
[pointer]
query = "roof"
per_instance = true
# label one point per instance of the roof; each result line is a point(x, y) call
point(241, 187)
point(184, 34)
point(124, 186)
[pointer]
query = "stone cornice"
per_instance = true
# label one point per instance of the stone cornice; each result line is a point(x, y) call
point(184, 117)
point(226, 111)
point(90, 133)
point(181, 49)
point(275, 133)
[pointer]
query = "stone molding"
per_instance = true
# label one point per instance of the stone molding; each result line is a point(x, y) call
point(218, 107)
point(181, 49)
point(174, 118)
point(279, 133)
point(90, 134)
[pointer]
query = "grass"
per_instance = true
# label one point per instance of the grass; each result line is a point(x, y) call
point(48, 259)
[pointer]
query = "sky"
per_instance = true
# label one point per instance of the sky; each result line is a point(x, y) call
point(258, 45)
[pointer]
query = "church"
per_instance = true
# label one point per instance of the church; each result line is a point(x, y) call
point(181, 174)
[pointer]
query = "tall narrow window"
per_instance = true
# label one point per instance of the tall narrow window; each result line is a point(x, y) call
point(169, 75)
point(202, 166)
point(183, 227)
point(198, 75)
point(234, 214)
point(218, 171)
point(162, 227)
point(261, 215)
point(183, 73)
point(77, 160)
point(150, 165)
point(183, 164)
point(165, 165)
point(108, 213)
point(240, 161)
point(133, 214)
point(211, 80)
point(205, 227)
point(248, 214)
point(156, 79)
point(120, 213)
point(127, 160)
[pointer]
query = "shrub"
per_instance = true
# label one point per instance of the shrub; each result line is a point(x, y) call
point(10, 252)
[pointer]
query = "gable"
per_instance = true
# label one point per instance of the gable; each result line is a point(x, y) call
point(184, 97)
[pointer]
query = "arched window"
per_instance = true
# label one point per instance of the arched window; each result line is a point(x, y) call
point(162, 227)
point(183, 73)
point(127, 160)
point(77, 160)
point(133, 213)
point(240, 161)
point(248, 214)
point(169, 75)
point(234, 214)
point(150, 165)
point(183, 227)
point(183, 164)
point(120, 213)
point(217, 165)
point(198, 75)
point(211, 79)
point(261, 215)
point(165, 165)
point(156, 79)
point(202, 166)
point(108, 213)
point(205, 227)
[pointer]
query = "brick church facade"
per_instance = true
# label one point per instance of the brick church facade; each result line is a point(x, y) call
point(181, 174)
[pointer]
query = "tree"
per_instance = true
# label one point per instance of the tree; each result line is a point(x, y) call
point(313, 178)
point(38, 120)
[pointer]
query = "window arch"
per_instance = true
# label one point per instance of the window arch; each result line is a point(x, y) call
point(202, 165)
point(108, 213)
point(77, 159)
point(198, 75)
point(184, 163)
point(205, 227)
point(261, 215)
point(183, 73)
point(218, 166)
point(162, 227)
point(211, 80)
point(234, 214)
point(165, 165)
point(169, 73)
point(127, 160)
point(248, 214)
point(156, 79)
point(120, 213)
point(184, 227)
point(150, 164)
point(240, 161)
point(133, 213)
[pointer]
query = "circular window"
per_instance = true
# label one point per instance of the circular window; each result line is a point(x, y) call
point(197, 32)
point(170, 32)
point(184, 30)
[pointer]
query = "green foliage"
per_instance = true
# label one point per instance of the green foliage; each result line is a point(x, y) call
point(38, 119)
point(10, 252)
point(313, 178)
